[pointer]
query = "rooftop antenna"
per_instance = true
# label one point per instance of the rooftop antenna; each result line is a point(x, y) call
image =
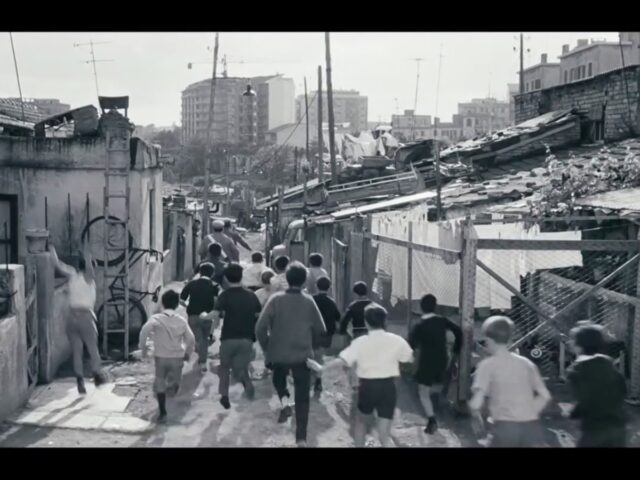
point(93, 60)
point(15, 64)
point(522, 59)
point(415, 101)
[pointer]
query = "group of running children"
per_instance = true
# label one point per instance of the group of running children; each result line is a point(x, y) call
point(292, 316)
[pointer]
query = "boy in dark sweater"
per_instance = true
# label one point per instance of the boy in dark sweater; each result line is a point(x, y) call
point(201, 294)
point(288, 328)
point(330, 316)
point(599, 390)
point(429, 338)
point(355, 311)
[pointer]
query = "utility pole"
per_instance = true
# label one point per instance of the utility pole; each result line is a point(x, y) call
point(209, 153)
point(306, 118)
point(320, 165)
point(15, 64)
point(415, 100)
point(295, 165)
point(93, 60)
point(521, 63)
point(332, 140)
point(437, 146)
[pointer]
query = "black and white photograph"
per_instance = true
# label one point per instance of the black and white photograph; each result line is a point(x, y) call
point(319, 239)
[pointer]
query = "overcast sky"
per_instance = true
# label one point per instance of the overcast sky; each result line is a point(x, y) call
point(152, 67)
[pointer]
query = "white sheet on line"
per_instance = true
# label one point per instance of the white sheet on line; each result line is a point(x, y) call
point(431, 274)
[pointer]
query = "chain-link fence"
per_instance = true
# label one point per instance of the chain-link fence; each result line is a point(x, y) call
point(546, 282)
point(547, 291)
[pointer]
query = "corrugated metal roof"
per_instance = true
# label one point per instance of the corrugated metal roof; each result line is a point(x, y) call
point(6, 120)
point(625, 199)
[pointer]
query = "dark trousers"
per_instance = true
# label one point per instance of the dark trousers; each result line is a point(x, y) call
point(302, 385)
point(609, 437)
point(235, 357)
point(201, 330)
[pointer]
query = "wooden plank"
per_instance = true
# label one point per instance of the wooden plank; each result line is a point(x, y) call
point(442, 252)
point(597, 286)
point(609, 294)
point(467, 310)
point(634, 383)
point(570, 218)
point(409, 278)
point(578, 300)
point(513, 290)
point(584, 245)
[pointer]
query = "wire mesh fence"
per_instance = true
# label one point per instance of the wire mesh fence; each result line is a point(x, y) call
point(556, 290)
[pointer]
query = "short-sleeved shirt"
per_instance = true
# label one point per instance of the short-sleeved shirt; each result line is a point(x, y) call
point(511, 383)
point(240, 308)
point(378, 354)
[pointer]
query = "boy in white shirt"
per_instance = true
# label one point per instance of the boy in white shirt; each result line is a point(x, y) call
point(376, 357)
point(252, 274)
point(173, 344)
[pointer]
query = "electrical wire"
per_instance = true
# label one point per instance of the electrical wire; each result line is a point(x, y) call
point(15, 64)
point(275, 154)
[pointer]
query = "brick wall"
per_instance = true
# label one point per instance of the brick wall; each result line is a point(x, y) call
point(622, 116)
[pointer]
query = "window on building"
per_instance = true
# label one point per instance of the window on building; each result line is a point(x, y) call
point(537, 85)
point(469, 122)
point(566, 75)
point(590, 69)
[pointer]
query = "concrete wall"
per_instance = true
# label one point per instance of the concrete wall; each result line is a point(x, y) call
point(621, 116)
point(549, 76)
point(282, 103)
point(13, 347)
point(71, 171)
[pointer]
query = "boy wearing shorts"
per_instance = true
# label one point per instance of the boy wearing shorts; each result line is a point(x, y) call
point(376, 358)
point(512, 387)
point(173, 344)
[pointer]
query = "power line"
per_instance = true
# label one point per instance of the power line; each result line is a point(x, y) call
point(15, 64)
point(287, 139)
